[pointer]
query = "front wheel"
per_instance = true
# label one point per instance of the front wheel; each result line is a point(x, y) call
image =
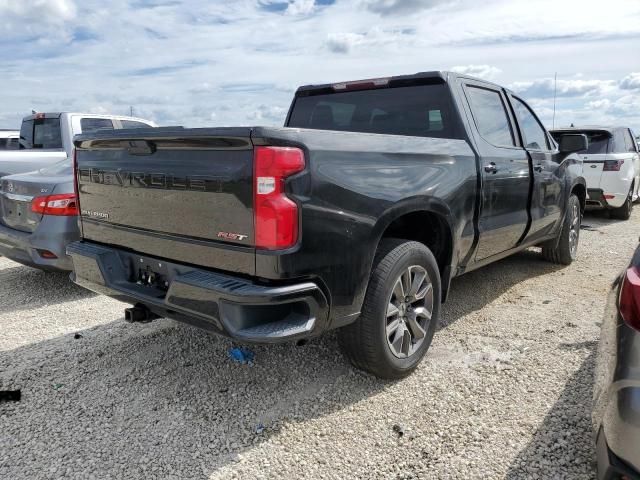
point(624, 212)
point(564, 250)
point(400, 311)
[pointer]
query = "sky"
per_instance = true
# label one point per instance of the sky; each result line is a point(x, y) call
point(238, 62)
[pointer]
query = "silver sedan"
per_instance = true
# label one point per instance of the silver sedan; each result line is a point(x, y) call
point(38, 217)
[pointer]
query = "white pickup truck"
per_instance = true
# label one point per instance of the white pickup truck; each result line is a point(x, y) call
point(47, 138)
point(611, 167)
point(9, 139)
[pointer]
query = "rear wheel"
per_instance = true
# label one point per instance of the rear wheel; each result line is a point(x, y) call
point(400, 311)
point(564, 250)
point(624, 212)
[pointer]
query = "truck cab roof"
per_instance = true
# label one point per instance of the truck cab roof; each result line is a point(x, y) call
point(436, 76)
point(41, 115)
point(588, 128)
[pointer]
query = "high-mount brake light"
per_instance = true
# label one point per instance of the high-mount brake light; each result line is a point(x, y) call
point(61, 205)
point(275, 214)
point(362, 84)
point(629, 301)
point(39, 116)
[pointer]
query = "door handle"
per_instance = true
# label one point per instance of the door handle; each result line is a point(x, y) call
point(538, 168)
point(491, 168)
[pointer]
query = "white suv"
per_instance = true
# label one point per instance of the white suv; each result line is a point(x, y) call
point(611, 168)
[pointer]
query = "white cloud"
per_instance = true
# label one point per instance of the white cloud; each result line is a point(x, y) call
point(626, 105)
point(24, 18)
point(401, 7)
point(579, 87)
point(631, 81)
point(300, 7)
point(46, 11)
point(602, 104)
point(481, 71)
point(344, 42)
point(179, 62)
point(271, 113)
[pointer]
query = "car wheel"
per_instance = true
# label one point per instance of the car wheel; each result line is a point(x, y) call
point(564, 250)
point(624, 212)
point(400, 311)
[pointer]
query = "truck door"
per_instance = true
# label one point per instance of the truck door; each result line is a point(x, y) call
point(504, 168)
point(548, 172)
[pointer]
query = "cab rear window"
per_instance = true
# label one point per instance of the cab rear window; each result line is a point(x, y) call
point(90, 125)
point(10, 143)
point(41, 133)
point(421, 111)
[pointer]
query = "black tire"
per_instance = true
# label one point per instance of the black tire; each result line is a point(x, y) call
point(367, 343)
point(624, 212)
point(562, 250)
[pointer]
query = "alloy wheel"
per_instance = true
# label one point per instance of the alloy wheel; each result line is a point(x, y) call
point(574, 230)
point(409, 311)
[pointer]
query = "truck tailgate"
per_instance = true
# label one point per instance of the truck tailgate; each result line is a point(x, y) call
point(186, 195)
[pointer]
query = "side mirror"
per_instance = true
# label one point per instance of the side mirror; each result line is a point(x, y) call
point(573, 142)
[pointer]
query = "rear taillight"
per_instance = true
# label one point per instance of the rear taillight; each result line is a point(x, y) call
point(629, 302)
point(64, 205)
point(275, 214)
point(612, 165)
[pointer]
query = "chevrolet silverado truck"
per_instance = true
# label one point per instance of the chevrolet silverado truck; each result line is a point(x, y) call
point(47, 138)
point(354, 216)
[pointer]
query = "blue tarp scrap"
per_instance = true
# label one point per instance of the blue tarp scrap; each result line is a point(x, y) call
point(241, 355)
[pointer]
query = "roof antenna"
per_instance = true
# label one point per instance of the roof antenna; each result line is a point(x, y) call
point(555, 84)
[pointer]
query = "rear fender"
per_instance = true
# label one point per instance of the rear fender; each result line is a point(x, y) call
point(417, 205)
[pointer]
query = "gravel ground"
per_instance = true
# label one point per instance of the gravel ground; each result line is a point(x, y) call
point(504, 392)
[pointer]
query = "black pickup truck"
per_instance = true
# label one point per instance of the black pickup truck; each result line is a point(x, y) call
point(354, 216)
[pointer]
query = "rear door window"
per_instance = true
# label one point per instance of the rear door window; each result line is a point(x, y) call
point(535, 136)
point(88, 125)
point(133, 124)
point(490, 115)
point(41, 133)
point(598, 143)
point(419, 111)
